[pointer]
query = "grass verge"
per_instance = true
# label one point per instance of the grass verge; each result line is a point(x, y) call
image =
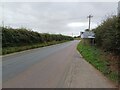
point(8, 50)
point(98, 59)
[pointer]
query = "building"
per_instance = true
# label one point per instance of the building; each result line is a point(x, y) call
point(87, 34)
point(88, 37)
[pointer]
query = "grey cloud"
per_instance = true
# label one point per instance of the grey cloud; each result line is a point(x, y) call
point(53, 17)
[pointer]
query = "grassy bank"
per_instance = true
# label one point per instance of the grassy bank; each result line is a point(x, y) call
point(8, 50)
point(98, 59)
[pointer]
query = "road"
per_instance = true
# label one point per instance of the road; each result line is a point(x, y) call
point(56, 66)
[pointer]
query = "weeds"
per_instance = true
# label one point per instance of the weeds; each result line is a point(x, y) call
point(8, 50)
point(95, 57)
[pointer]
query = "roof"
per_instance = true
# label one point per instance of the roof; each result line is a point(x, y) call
point(87, 34)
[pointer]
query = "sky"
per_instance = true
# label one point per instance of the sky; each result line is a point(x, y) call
point(68, 18)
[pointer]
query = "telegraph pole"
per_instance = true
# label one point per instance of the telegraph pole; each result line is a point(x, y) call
point(72, 34)
point(3, 15)
point(89, 17)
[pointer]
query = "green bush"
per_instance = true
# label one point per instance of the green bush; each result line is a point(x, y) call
point(21, 37)
point(107, 35)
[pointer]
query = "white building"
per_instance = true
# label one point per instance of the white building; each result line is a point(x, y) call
point(87, 34)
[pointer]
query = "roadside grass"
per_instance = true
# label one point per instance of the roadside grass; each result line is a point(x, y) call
point(98, 59)
point(8, 50)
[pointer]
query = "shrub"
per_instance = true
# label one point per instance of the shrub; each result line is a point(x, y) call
point(107, 35)
point(20, 37)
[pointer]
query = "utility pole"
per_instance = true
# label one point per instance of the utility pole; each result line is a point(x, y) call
point(72, 34)
point(89, 17)
point(3, 15)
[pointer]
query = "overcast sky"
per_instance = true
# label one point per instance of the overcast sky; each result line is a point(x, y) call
point(56, 17)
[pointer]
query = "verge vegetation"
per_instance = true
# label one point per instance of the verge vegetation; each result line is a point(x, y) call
point(14, 40)
point(99, 60)
point(107, 35)
point(105, 54)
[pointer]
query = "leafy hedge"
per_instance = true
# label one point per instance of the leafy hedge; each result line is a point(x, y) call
point(108, 34)
point(20, 37)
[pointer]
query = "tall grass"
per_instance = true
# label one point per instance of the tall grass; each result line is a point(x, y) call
point(8, 50)
point(96, 57)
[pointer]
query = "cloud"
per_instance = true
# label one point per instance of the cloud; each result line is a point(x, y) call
point(76, 24)
point(54, 17)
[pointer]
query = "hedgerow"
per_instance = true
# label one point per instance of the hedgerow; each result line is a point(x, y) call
point(107, 35)
point(21, 36)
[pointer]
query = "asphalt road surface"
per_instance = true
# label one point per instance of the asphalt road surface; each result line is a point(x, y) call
point(56, 66)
